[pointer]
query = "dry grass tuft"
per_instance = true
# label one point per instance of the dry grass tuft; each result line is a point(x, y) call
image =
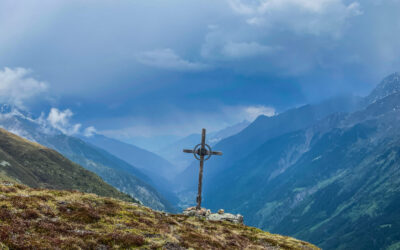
point(122, 239)
point(78, 212)
point(48, 219)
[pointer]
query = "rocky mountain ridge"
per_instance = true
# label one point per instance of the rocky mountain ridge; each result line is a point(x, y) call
point(238, 146)
point(389, 85)
point(334, 183)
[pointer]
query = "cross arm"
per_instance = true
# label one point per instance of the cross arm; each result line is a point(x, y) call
point(190, 151)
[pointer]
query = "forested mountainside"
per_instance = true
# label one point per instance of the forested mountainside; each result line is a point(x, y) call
point(32, 164)
point(335, 183)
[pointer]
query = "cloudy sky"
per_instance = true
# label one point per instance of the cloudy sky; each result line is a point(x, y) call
point(167, 67)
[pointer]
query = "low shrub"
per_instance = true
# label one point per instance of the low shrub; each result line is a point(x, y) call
point(122, 239)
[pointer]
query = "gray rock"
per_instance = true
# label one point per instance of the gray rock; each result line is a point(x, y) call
point(192, 211)
point(220, 216)
point(226, 217)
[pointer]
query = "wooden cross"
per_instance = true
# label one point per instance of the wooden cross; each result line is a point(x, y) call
point(201, 152)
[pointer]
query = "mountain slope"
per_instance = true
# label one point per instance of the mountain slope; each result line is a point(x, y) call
point(158, 170)
point(336, 183)
point(73, 220)
point(113, 170)
point(389, 85)
point(263, 128)
point(146, 161)
point(37, 166)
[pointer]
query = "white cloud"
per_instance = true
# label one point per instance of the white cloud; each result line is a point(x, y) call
point(242, 7)
point(281, 37)
point(249, 113)
point(252, 112)
point(168, 59)
point(217, 46)
point(16, 86)
point(89, 131)
point(61, 120)
point(314, 17)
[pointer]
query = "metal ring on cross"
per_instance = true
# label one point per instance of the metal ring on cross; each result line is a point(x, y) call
point(198, 147)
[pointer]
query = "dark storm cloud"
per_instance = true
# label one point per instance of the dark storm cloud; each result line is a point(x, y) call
point(146, 63)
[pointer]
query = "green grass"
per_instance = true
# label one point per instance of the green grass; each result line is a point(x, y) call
point(37, 166)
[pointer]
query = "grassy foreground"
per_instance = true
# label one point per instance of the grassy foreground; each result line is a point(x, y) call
point(51, 219)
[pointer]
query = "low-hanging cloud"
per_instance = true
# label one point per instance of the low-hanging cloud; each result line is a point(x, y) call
point(168, 59)
point(60, 120)
point(16, 87)
point(184, 123)
point(252, 112)
point(89, 131)
point(249, 113)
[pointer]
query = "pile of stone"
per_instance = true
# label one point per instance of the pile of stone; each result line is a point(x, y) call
point(220, 216)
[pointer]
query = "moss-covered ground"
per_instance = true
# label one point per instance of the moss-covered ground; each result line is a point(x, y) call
point(53, 219)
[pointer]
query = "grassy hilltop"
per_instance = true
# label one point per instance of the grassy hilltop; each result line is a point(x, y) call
point(45, 219)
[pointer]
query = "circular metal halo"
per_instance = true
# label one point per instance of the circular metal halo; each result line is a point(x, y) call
point(197, 147)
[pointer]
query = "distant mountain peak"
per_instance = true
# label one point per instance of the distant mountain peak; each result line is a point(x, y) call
point(8, 109)
point(389, 85)
point(5, 108)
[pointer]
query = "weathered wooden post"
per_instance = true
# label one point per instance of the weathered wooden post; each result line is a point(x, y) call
point(201, 152)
